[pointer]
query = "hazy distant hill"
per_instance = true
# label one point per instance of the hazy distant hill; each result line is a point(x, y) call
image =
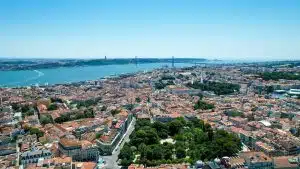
point(29, 64)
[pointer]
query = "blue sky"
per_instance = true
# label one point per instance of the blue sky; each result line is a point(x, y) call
point(213, 29)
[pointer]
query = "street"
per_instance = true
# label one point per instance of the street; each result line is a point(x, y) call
point(111, 161)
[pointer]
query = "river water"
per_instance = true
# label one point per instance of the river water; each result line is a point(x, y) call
point(73, 74)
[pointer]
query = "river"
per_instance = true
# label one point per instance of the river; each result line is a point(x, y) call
point(73, 74)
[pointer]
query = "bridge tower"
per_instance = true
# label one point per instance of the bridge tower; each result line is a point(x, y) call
point(173, 61)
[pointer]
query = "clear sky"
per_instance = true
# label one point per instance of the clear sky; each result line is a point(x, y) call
point(213, 29)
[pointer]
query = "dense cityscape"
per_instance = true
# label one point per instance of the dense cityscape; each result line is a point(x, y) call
point(226, 116)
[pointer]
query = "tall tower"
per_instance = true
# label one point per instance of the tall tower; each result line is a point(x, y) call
point(172, 61)
point(105, 58)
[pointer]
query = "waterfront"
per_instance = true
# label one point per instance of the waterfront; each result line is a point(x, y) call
point(73, 74)
point(90, 122)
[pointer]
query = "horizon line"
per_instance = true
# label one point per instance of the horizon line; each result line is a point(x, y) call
point(141, 57)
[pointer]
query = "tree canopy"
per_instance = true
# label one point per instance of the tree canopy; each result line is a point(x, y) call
point(25, 109)
point(138, 100)
point(86, 103)
point(233, 113)
point(115, 111)
point(162, 84)
point(217, 87)
point(52, 106)
point(279, 75)
point(88, 113)
point(33, 130)
point(203, 105)
point(45, 119)
point(194, 140)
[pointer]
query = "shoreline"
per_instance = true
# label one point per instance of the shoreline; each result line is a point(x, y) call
point(111, 76)
point(100, 72)
point(18, 65)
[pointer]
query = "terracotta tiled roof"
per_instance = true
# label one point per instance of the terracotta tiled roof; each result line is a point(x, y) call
point(61, 160)
point(89, 165)
point(283, 162)
point(85, 165)
point(69, 142)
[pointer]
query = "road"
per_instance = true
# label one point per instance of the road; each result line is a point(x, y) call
point(111, 161)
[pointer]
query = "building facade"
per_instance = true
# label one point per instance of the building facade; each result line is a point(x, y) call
point(33, 156)
point(108, 142)
point(78, 152)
